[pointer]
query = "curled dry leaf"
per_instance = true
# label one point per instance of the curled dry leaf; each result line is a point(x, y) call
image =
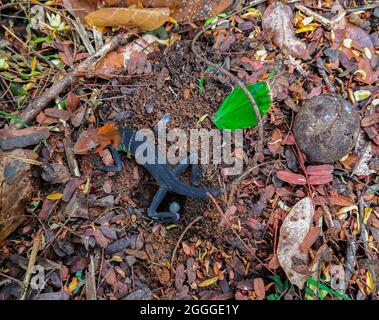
point(181, 10)
point(292, 233)
point(144, 19)
point(277, 24)
point(292, 178)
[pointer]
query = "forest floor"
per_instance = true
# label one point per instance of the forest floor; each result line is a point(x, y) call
point(87, 231)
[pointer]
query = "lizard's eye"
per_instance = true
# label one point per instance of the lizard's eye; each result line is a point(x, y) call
point(92, 147)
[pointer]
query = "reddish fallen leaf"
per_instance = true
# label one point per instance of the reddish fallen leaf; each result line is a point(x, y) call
point(320, 170)
point(274, 262)
point(80, 8)
point(276, 141)
point(58, 113)
point(70, 188)
point(188, 250)
point(277, 25)
point(42, 118)
point(310, 239)
point(338, 200)
point(137, 63)
point(315, 180)
point(72, 102)
point(179, 276)
point(292, 178)
point(66, 52)
point(370, 120)
point(46, 209)
point(12, 139)
point(259, 288)
point(100, 238)
point(229, 213)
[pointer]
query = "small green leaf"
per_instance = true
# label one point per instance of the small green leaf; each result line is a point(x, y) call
point(202, 119)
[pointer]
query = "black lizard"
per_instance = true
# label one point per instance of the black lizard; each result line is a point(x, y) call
point(118, 139)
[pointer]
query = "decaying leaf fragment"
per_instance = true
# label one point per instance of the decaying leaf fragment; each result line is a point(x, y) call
point(292, 233)
point(277, 25)
point(15, 188)
point(146, 19)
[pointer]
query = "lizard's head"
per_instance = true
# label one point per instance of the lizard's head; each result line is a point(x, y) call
point(95, 140)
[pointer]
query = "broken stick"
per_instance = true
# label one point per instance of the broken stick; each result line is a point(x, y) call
point(40, 103)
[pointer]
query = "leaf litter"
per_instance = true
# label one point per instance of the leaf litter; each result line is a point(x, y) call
point(287, 223)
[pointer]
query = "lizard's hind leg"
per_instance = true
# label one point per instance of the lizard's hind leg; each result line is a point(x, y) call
point(195, 170)
point(162, 216)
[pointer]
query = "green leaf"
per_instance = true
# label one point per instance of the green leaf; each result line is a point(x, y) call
point(322, 286)
point(236, 112)
point(210, 20)
point(273, 296)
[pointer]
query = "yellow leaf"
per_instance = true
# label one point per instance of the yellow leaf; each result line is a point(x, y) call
point(116, 259)
point(208, 282)
point(369, 282)
point(307, 28)
point(34, 63)
point(172, 20)
point(145, 19)
point(55, 196)
point(73, 284)
point(367, 215)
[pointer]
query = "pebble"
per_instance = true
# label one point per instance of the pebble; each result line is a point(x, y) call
point(105, 202)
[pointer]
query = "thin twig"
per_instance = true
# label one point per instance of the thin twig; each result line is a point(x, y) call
point(180, 240)
point(32, 260)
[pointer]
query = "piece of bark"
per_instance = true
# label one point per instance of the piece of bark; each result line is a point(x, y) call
point(15, 188)
point(12, 139)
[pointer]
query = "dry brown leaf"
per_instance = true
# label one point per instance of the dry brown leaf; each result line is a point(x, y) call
point(11, 138)
point(144, 19)
point(277, 25)
point(292, 233)
point(15, 188)
point(80, 8)
point(310, 239)
point(259, 288)
point(181, 10)
point(292, 178)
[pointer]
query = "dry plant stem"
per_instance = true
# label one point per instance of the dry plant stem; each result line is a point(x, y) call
point(321, 69)
point(180, 240)
point(91, 281)
point(40, 103)
point(363, 232)
point(237, 235)
point(71, 160)
point(363, 8)
point(324, 21)
point(32, 260)
point(199, 55)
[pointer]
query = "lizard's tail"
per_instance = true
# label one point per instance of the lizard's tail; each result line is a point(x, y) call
point(183, 189)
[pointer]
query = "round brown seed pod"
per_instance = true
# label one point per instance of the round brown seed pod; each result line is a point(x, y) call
point(326, 128)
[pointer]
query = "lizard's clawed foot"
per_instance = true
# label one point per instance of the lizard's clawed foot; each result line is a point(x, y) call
point(117, 161)
point(173, 215)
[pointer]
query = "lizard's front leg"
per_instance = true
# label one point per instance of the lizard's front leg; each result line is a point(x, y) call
point(117, 161)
